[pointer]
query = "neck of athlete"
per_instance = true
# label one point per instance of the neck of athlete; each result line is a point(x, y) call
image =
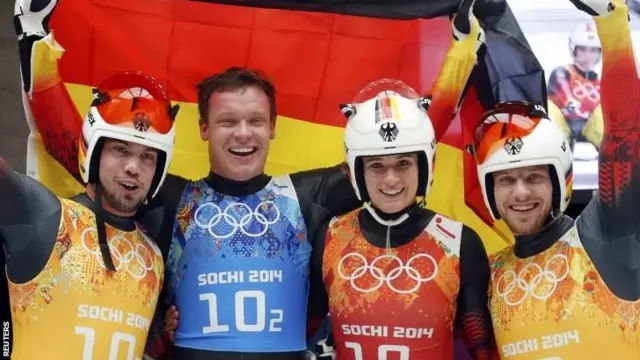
point(535, 243)
point(383, 236)
point(227, 186)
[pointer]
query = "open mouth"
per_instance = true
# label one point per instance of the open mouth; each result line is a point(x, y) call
point(129, 185)
point(243, 151)
point(523, 207)
point(392, 193)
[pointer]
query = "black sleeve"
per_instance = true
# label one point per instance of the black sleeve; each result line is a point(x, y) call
point(158, 216)
point(318, 306)
point(473, 319)
point(29, 223)
point(328, 187)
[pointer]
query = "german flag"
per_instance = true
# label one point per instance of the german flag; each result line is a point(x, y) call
point(319, 54)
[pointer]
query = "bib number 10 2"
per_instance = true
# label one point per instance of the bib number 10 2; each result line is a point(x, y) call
point(240, 319)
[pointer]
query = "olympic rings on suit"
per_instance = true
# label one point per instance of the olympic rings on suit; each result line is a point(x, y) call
point(238, 216)
point(529, 288)
point(586, 91)
point(378, 274)
point(143, 258)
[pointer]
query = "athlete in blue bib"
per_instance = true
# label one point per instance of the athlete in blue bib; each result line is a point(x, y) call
point(241, 277)
point(237, 240)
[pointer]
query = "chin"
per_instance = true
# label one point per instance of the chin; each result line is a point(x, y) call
point(519, 228)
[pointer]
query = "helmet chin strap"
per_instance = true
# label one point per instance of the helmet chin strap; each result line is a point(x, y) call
point(100, 224)
point(375, 215)
point(387, 223)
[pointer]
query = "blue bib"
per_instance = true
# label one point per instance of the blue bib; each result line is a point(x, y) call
point(239, 269)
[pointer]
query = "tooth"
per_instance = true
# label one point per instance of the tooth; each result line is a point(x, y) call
point(242, 150)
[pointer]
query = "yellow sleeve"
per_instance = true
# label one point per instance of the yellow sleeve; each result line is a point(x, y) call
point(452, 79)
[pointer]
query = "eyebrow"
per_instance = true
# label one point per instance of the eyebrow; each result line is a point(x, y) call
point(116, 142)
point(379, 158)
point(253, 113)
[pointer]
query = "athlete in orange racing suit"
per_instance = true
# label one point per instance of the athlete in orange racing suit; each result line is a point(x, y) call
point(574, 89)
point(568, 289)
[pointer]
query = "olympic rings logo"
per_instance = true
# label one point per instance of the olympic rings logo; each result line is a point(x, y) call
point(223, 224)
point(137, 260)
point(586, 91)
point(381, 278)
point(510, 282)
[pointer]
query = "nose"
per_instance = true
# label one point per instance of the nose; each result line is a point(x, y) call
point(391, 177)
point(242, 131)
point(132, 165)
point(521, 192)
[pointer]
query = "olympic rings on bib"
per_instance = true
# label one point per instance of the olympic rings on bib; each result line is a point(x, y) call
point(587, 91)
point(223, 224)
point(138, 268)
point(509, 282)
point(379, 275)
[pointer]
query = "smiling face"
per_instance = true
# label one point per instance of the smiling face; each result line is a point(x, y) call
point(239, 129)
point(126, 173)
point(391, 181)
point(523, 197)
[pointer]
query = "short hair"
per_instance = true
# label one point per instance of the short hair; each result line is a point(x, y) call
point(232, 79)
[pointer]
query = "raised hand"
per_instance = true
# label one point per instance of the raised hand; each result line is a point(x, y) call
point(594, 7)
point(465, 26)
point(31, 17)
point(31, 25)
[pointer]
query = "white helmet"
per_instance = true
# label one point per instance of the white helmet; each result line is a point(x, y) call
point(519, 134)
point(387, 118)
point(585, 35)
point(132, 107)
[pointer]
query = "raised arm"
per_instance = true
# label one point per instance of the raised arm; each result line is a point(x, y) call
point(448, 90)
point(619, 162)
point(29, 221)
point(473, 319)
point(50, 107)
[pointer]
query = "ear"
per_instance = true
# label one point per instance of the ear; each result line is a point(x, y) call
point(272, 129)
point(348, 110)
point(204, 130)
